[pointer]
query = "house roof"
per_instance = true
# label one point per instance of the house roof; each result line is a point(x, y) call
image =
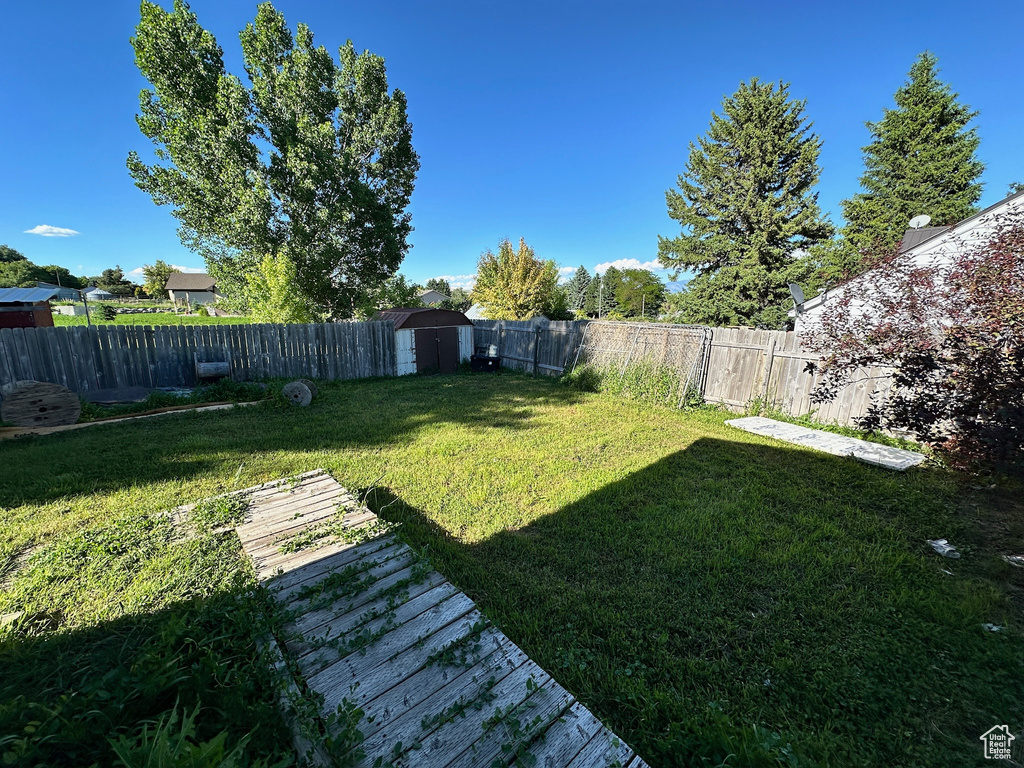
point(422, 317)
point(190, 281)
point(62, 290)
point(26, 295)
point(430, 296)
point(914, 237)
point(928, 234)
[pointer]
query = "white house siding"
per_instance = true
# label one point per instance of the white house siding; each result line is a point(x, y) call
point(193, 297)
point(405, 351)
point(936, 252)
point(465, 342)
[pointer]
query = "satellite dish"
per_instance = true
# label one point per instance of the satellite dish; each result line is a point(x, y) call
point(920, 221)
point(797, 293)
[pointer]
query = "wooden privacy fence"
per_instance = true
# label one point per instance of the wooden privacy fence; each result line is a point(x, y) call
point(746, 365)
point(736, 367)
point(107, 356)
point(537, 348)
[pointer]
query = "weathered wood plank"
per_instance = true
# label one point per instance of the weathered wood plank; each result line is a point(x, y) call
point(440, 741)
point(433, 689)
point(566, 737)
point(394, 624)
point(544, 707)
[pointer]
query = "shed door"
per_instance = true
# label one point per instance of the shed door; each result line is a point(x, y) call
point(448, 349)
point(437, 349)
point(426, 349)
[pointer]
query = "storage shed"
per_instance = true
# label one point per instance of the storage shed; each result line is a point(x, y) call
point(26, 307)
point(430, 339)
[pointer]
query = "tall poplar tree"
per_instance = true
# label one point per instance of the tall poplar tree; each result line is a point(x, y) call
point(310, 161)
point(746, 205)
point(921, 160)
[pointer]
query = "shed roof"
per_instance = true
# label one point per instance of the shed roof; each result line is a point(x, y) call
point(190, 281)
point(422, 317)
point(26, 295)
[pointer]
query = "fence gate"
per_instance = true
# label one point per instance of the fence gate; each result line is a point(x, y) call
point(668, 360)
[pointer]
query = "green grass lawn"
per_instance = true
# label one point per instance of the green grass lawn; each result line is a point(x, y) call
point(155, 318)
point(706, 591)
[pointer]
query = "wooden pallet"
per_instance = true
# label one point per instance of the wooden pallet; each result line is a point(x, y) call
point(370, 624)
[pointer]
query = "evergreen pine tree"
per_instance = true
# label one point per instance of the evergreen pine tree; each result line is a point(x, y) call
point(920, 161)
point(745, 205)
point(576, 289)
point(599, 300)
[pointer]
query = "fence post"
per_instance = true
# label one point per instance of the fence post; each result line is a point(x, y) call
point(536, 351)
point(769, 359)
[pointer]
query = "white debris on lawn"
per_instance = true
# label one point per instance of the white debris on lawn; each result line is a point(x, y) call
point(992, 627)
point(944, 548)
point(1017, 560)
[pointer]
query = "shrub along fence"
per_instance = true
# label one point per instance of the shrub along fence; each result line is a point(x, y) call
point(107, 356)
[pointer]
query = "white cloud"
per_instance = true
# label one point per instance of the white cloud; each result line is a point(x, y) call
point(465, 282)
point(654, 265)
point(47, 231)
point(137, 272)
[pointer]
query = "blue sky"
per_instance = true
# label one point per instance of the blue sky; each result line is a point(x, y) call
point(563, 123)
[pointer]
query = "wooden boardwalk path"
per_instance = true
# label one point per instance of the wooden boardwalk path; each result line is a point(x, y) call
point(368, 624)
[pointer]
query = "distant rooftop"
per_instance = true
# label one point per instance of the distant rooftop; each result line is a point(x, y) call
point(190, 281)
point(26, 295)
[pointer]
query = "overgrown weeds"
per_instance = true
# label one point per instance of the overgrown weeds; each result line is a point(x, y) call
point(643, 380)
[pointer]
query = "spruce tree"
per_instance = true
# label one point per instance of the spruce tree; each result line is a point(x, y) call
point(921, 160)
point(599, 300)
point(576, 289)
point(746, 205)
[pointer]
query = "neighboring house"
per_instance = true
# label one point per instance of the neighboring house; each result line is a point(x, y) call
point(476, 312)
point(192, 288)
point(927, 246)
point(98, 294)
point(430, 296)
point(62, 292)
point(26, 307)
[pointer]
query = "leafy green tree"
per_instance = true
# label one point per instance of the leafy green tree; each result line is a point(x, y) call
point(8, 255)
point(156, 278)
point(460, 300)
point(22, 273)
point(313, 163)
point(439, 285)
point(396, 291)
point(576, 289)
point(640, 293)
point(745, 204)
point(921, 160)
point(271, 295)
point(514, 284)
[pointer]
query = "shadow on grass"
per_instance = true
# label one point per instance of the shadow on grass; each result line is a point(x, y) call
point(65, 694)
point(744, 599)
point(730, 598)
